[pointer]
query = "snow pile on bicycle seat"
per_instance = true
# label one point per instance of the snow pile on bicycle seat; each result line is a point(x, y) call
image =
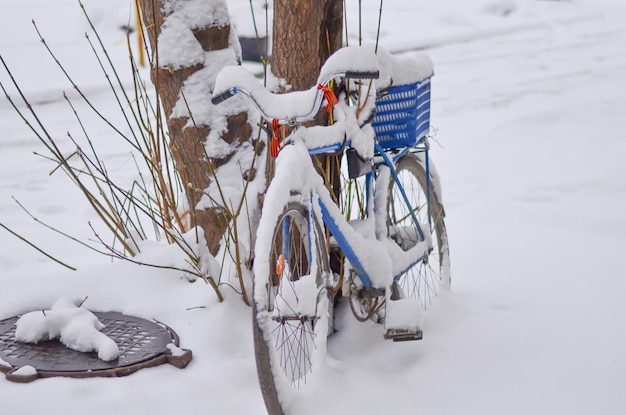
point(404, 70)
point(77, 328)
point(350, 59)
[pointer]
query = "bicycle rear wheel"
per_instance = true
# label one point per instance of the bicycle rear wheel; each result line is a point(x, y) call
point(426, 278)
point(292, 305)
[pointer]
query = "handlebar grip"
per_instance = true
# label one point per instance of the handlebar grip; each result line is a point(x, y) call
point(362, 74)
point(219, 98)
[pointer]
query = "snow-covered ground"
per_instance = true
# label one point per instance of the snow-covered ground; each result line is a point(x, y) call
point(529, 100)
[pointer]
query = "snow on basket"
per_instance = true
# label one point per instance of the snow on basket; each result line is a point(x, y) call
point(57, 342)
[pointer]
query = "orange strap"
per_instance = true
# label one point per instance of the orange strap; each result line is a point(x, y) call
point(280, 265)
point(274, 143)
point(331, 99)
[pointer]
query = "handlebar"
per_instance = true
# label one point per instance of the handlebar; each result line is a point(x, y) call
point(296, 106)
point(219, 98)
point(362, 74)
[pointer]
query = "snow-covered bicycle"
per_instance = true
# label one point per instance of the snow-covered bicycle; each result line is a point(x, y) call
point(396, 252)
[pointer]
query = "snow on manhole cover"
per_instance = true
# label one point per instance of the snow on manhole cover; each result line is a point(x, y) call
point(141, 344)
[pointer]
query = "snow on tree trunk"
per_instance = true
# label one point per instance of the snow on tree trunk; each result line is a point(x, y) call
point(195, 41)
point(305, 34)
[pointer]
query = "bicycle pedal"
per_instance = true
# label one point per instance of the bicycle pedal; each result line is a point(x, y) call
point(403, 335)
point(403, 320)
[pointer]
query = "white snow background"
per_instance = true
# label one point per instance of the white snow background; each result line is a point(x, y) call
point(529, 99)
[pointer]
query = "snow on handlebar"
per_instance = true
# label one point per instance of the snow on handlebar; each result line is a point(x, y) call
point(296, 106)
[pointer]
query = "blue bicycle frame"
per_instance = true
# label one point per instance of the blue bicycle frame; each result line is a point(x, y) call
point(339, 236)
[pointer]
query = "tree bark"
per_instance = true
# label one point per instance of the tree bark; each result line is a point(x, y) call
point(305, 34)
point(187, 140)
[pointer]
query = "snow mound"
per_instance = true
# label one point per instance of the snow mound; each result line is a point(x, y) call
point(25, 371)
point(402, 70)
point(77, 328)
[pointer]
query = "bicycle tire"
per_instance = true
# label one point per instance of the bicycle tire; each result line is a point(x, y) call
point(426, 278)
point(290, 322)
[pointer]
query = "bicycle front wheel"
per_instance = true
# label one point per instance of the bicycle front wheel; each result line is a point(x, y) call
point(291, 307)
point(426, 278)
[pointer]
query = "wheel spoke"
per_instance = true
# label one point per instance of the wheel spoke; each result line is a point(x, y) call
point(288, 335)
point(423, 280)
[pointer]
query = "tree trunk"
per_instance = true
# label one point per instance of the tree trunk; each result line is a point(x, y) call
point(306, 33)
point(188, 138)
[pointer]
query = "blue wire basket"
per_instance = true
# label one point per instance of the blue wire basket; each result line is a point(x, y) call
point(403, 115)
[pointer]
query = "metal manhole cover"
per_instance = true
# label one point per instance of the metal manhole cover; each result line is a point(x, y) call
point(141, 343)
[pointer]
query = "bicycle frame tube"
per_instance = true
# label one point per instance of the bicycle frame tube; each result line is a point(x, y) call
point(286, 226)
point(430, 225)
point(394, 174)
point(310, 224)
point(339, 231)
point(344, 244)
point(398, 156)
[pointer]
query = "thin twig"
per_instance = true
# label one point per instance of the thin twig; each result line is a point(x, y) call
point(37, 248)
point(57, 230)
